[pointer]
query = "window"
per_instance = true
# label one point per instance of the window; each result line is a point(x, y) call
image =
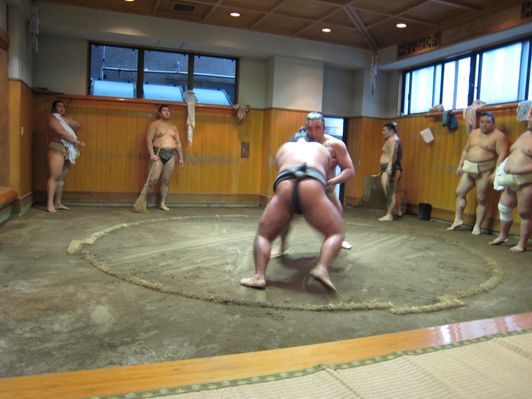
point(113, 71)
point(495, 75)
point(499, 76)
point(215, 80)
point(161, 75)
point(165, 75)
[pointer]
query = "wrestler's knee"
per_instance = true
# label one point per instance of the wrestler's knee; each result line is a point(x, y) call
point(505, 213)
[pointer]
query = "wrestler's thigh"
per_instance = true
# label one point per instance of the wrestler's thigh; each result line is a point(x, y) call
point(56, 162)
point(275, 218)
point(156, 171)
point(396, 178)
point(465, 184)
point(524, 199)
point(66, 169)
point(169, 168)
point(384, 181)
point(483, 183)
point(319, 211)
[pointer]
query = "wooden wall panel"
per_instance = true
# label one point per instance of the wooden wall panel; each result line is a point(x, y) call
point(26, 141)
point(4, 135)
point(429, 169)
point(115, 159)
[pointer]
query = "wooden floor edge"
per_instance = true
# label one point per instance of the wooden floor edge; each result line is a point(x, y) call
point(121, 380)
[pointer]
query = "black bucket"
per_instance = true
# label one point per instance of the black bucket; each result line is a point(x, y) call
point(424, 211)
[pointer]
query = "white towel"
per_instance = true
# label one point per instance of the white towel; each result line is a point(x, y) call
point(191, 100)
point(523, 110)
point(499, 172)
point(72, 150)
point(470, 115)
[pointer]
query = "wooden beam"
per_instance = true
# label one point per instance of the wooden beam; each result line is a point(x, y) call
point(357, 21)
point(213, 8)
point(121, 380)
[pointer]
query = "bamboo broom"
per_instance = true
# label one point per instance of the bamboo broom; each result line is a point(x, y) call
point(141, 202)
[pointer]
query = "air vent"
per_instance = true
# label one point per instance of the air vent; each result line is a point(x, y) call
point(526, 10)
point(184, 7)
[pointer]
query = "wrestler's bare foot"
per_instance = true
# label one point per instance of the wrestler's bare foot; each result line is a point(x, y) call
point(61, 206)
point(386, 218)
point(455, 225)
point(254, 282)
point(164, 207)
point(322, 275)
point(278, 252)
point(499, 240)
point(51, 209)
point(346, 245)
point(476, 230)
point(518, 248)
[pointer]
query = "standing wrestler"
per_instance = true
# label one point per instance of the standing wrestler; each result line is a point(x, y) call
point(299, 188)
point(514, 175)
point(391, 170)
point(314, 130)
point(62, 152)
point(485, 149)
point(163, 139)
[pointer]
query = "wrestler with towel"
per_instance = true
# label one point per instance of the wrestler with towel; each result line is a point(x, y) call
point(514, 176)
point(62, 152)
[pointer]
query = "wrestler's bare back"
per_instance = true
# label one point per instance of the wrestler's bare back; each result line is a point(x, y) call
point(313, 154)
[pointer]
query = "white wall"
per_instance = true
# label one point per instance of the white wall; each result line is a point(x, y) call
point(252, 83)
point(338, 91)
point(61, 64)
point(20, 49)
point(297, 84)
point(92, 24)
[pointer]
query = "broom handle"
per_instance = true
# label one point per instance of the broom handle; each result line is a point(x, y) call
point(152, 165)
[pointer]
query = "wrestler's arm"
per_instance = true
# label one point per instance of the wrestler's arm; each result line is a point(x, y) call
point(463, 157)
point(74, 124)
point(501, 148)
point(393, 156)
point(150, 136)
point(179, 148)
point(344, 162)
point(56, 127)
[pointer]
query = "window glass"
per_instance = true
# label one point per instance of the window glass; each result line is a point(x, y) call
point(449, 73)
point(215, 80)
point(437, 84)
point(422, 85)
point(462, 83)
point(500, 74)
point(113, 71)
point(406, 108)
point(165, 75)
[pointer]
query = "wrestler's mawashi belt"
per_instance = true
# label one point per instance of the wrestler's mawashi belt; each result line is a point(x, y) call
point(165, 154)
point(299, 172)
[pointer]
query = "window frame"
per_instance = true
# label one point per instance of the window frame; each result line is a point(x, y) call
point(140, 68)
point(474, 76)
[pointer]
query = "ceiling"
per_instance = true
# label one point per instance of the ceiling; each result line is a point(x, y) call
point(365, 24)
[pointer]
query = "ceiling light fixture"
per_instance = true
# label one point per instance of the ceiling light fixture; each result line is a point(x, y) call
point(326, 30)
point(235, 14)
point(129, 1)
point(401, 25)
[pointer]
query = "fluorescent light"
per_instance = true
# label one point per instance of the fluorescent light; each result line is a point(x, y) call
point(401, 25)
point(235, 14)
point(326, 30)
